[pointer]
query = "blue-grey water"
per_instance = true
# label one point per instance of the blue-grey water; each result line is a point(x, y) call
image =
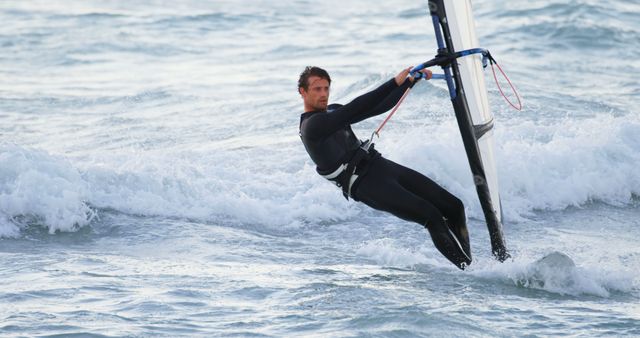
point(152, 182)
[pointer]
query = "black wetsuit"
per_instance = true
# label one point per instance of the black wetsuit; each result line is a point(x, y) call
point(379, 182)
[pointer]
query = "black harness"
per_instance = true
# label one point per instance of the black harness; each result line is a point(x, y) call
point(345, 176)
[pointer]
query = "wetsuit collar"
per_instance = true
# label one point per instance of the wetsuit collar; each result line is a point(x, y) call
point(308, 114)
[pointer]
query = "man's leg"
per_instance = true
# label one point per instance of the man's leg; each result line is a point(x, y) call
point(450, 206)
point(381, 189)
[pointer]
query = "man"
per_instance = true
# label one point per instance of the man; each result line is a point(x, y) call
point(364, 175)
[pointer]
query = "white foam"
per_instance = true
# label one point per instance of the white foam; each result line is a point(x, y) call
point(557, 273)
point(7, 228)
point(38, 187)
point(540, 166)
point(214, 189)
point(218, 186)
point(389, 252)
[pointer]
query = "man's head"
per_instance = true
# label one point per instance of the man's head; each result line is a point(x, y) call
point(313, 86)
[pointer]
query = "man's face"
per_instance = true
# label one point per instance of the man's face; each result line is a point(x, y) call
point(317, 96)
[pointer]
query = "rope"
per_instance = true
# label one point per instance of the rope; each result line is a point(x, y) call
point(377, 132)
point(519, 107)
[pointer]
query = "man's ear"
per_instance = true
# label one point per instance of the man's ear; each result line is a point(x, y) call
point(300, 90)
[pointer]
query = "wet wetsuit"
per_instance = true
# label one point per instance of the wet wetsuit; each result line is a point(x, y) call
point(368, 177)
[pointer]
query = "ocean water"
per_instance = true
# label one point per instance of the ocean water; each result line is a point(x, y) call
point(152, 182)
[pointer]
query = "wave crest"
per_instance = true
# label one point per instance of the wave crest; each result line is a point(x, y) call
point(36, 187)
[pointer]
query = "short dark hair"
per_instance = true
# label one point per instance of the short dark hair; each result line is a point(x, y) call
point(303, 81)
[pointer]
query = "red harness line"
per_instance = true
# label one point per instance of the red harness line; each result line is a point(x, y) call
point(519, 107)
point(406, 92)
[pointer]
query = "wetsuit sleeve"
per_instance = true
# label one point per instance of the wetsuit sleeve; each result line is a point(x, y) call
point(386, 104)
point(357, 110)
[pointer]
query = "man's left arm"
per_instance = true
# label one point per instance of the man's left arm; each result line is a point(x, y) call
point(387, 103)
point(392, 98)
